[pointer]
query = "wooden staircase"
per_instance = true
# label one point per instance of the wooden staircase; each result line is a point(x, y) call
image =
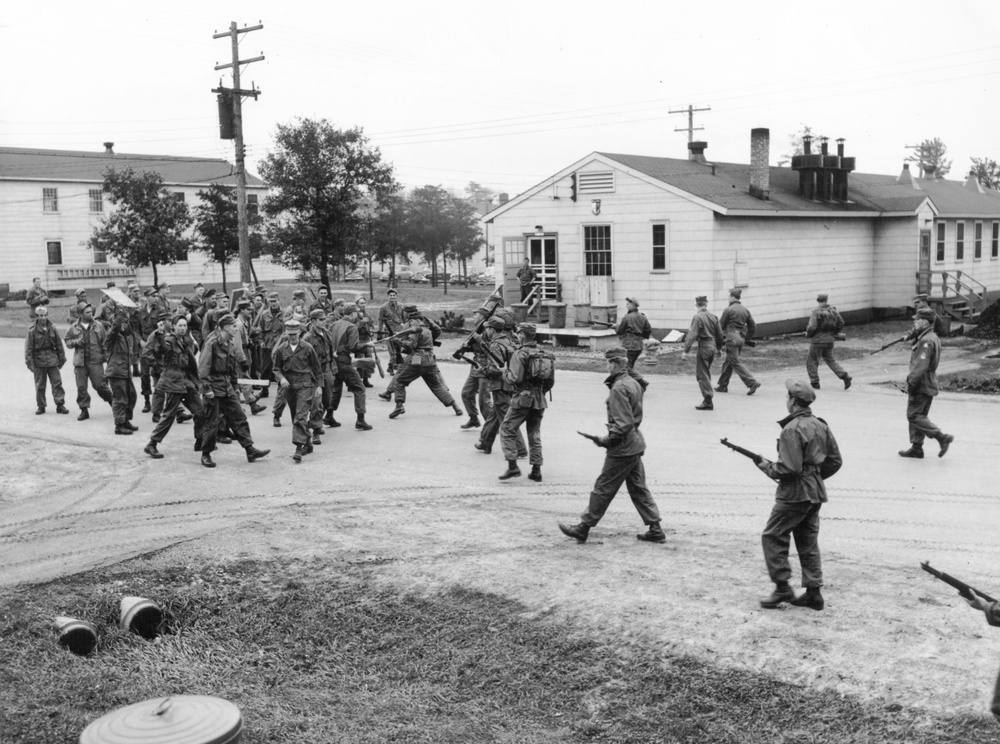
point(954, 295)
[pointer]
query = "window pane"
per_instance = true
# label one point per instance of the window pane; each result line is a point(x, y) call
point(995, 244)
point(50, 200)
point(54, 250)
point(253, 207)
point(940, 242)
point(597, 250)
point(959, 241)
point(659, 247)
point(96, 201)
point(978, 250)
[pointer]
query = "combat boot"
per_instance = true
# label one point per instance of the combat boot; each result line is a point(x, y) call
point(706, 405)
point(945, 442)
point(811, 599)
point(513, 471)
point(536, 473)
point(483, 448)
point(256, 408)
point(277, 422)
point(782, 593)
point(146, 407)
point(84, 414)
point(122, 430)
point(150, 449)
point(579, 532)
point(397, 411)
point(914, 452)
point(654, 534)
point(386, 396)
point(472, 423)
point(332, 423)
point(298, 453)
point(362, 425)
point(254, 454)
point(61, 409)
point(206, 460)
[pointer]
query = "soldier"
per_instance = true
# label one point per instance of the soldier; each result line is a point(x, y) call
point(922, 386)
point(217, 374)
point(296, 367)
point(241, 342)
point(476, 387)
point(825, 323)
point(737, 328)
point(81, 299)
point(807, 453)
point(366, 331)
point(118, 352)
point(35, 296)
point(419, 362)
point(992, 612)
point(134, 331)
point(525, 278)
point(633, 329)
point(625, 447)
point(390, 321)
point(500, 347)
point(267, 329)
point(322, 301)
point(86, 337)
point(706, 332)
point(298, 306)
point(221, 307)
point(346, 342)
point(318, 336)
point(527, 406)
point(44, 356)
point(160, 302)
point(179, 384)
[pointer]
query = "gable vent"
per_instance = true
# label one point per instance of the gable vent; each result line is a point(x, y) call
point(596, 183)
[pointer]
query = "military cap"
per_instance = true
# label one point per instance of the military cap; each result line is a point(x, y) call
point(317, 313)
point(338, 302)
point(701, 300)
point(925, 312)
point(111, 284)
point(528, 329)
point(81, 291)
point(131, 283)
point(299, 293)
point(495, 323)
point(273, 296)
point(240, 304)
point(410, 310)
point(227, 319)
point(199, 284)
point(163, 285)
point(81, 306)
point(735, 292)
point(800, 390)
point(293, 325)
point(149, 291)
point(209, 293)
point(391, 291)
point(616, 353)
point(178, 316)
point(822, 297)
point(633, 300)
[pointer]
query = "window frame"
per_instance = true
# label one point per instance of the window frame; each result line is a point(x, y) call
point(995, 240)
point(959, 240)
point(95, 197)
point(664, 247)
point(977, 241)
point(940, 242)
point(50, 200)
point(48, 252)
point(253, 204)
point(588, 263)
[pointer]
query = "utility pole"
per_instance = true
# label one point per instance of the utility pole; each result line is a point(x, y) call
point(918, 157)
point(690, 128)
point(237, 94)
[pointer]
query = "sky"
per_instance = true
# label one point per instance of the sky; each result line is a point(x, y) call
point(508, 93)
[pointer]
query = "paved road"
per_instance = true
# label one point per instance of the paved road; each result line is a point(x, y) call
point(414, 491)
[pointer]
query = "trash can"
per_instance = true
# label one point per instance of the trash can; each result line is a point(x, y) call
point(557, 314)
point(581, 315)
point(520, 312)
point(606, 315)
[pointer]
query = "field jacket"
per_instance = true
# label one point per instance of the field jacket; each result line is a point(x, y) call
point(924, 357)
point(624, 406)
point(87, 343)
point(806, 442)
point(632, 329)
point(43, 347)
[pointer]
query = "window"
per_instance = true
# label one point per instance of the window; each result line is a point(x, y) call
point(179, 196)
point(940, 242)
point(995, 242)
point(96, 201)
point(182, 255)
point(977, 245)
point(660, 247)
point(50, 200)
point(959, 240)
point(54, 250)
point(253, 208)
point(100, 256)
point(597, 250)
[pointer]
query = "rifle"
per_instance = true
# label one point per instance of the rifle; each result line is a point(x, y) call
point(396, 336)
point(467, 344)
point(963, 589)
point(473, 362)
point(745, 452)
point(378, 362)
point(602, 323)
point(891, 343)
point(593, 438)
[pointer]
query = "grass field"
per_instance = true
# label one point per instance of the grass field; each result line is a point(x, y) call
point(320, 653)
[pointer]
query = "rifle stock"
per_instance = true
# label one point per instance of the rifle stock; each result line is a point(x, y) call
point(745, 452)
point(592, 437)
point(466, 344)
point(891, 343)
point(963, 589)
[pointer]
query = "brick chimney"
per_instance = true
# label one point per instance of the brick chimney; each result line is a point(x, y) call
point(906, 178)
point(109, 148)
point(696, 151)
point(760, 170)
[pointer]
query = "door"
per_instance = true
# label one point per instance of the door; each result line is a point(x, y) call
point(513, 256)
point(924, 264)
point(543, 254)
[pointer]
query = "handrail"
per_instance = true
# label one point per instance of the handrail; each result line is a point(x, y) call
point(962, 289)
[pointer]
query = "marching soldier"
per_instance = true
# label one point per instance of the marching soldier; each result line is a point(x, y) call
point(86, 337)
point(706, 332)
point(500, 347)
point(318, 336)
point(527, 406)
point(44, 356)
point(922, 386)
point(633, 329)
point(346, 342)
point(825, 323)
point(118, 352)
point(475, 387)
point(266, 331)
point(737, 327)
point(296, 368)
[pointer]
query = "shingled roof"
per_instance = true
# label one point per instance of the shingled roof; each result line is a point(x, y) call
point(23, 164)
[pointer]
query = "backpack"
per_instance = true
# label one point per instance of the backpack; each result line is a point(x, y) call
point(541, 369)
point(826, 319)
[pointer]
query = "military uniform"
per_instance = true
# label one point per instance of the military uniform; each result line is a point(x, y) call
point(44, 355)
point(87, 343)
point(34, 297)
point(824, 325)
point(737, 326)
point(527, 406)
point(390, 321)
point(217, 374)
point(921, 387)
point(633, 329)
point(346, 341)
point(475, 388)
point(178, 383)
point(118, 372)
point(268, 327)
point(419, 363)
point(707, 334)
point(500, 348)
point(300, 370)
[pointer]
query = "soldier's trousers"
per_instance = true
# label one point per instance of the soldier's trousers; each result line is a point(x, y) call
point(617, 470)
point(703, 369)
point(347, 374)
point(144, 378)
point(799, 520)
point(94, 375)
point(476, 387)
point(995, 706)
point(824, 352)
point(228, 406)
point(300, 405)
point(491, 427)
point(171, 406)
point(431, 376)
point(123, 398)
point(633, 354)
point(509, 434)
point(733, 363)
point(917, 408)
point(50, 374)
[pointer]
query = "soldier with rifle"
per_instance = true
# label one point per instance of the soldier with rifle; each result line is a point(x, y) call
point(419, 363)
point(825, 327)
point(476, 386)
point(922, 386)
point(346, 343)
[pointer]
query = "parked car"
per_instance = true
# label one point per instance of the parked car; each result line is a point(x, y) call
point(419, 279)
point(403, 276)
point(354, 276)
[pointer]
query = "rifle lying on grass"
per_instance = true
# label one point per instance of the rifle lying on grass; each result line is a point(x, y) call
point(745, 452)
point(891, 343)
point(963, 589)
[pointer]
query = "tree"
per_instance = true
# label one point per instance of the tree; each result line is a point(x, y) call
point(986, 171)
point(795, 142)
point(439, 224)
point(148, 226)
point(319, 175)
point(378, 234)
point(217, 227)
point(931, 152)
point(479, 196)
point(468, 235)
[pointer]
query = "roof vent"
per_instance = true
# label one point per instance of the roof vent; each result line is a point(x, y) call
point(109, 148)
point(906, 178)
point(972, 183)
point(696, 151)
